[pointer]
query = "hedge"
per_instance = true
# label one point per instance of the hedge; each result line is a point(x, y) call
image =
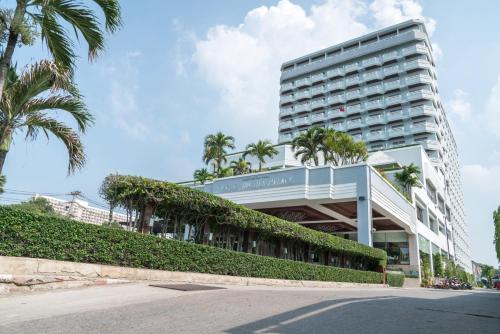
point(40, 236)
point(183, 201)
point(395, 279)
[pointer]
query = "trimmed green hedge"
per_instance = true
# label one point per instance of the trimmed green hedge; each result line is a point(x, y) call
point(395, 279)
point(39, 236)
point(183, 201)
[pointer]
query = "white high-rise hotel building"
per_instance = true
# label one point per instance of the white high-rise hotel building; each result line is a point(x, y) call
point(381, 88)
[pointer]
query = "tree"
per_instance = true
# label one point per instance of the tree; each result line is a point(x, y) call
point(202, 176)
point(36, 205)
point(241, 166)
point(340, 149)
point(28, 101)
point(488, 272)
point(261, 150)
point(215, 147)
point(496, 239)
point(408, 178)
point(438, 265)
point(307, 144)
point(49, 19)
point(110, 193)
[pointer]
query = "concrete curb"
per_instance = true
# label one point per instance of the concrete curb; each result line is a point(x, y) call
point(14, 269)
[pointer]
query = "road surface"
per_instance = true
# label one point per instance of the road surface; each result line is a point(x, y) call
point(139, 308)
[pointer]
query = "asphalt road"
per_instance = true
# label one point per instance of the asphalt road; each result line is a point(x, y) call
point(139, 308)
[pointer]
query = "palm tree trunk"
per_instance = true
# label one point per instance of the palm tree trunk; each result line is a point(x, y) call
point(11, 41)
point(260, 166)
point(5, 141)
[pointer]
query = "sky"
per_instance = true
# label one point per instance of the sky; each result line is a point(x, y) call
point(179, 70)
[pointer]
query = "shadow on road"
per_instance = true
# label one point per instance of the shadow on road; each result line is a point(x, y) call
point(463, 313)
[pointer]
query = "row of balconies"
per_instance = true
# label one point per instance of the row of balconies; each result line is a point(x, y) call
point(369, 75)
point(379, 103)
point(373, 89)
point(392, 131)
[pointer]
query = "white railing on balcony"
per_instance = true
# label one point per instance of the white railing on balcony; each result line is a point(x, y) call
point(391, 70)
point(304, 94)
point(335, 85)
point(372, 75)
point(390, 55)
point(286, 137)
point(393, 99)
point(319, 103)
point(424, 127)
point(423, 110)
point(302, 107)
point(286, 98)
point(419, 63)
point(393, 115)
point(351, 124)
point(374, 89)
point(339, 126)
point(335, 113)
point(301, 121)
point(392, 84)
point(353, 94)
point(318, 90)
point(372, 61)
point(286, 111)
point(396, 132)
point(352, 80)
point(286, 86)
point(419, 78)
point(420, 94)
point(429, 144)
point(375, 135)
point(351, 67)
point(353, 109)
point(317, 117)
point(317, 77)
point(335, 99)
point(286, 125)
point(374, 104)
point(375, 119)
point(302, 82)
point(415, 49)
point(335, 72)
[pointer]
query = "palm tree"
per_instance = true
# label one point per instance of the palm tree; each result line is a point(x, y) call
point(27, 105)
point(340, 149)
point(49, 18)
point(202, 175)
point(241, 166)
point(215, 150)
point(2, 183)
point(307, 144)
point(260, 150)
point(408, 178)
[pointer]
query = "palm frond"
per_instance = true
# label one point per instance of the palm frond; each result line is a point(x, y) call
point(112, 13)
point(41, 122)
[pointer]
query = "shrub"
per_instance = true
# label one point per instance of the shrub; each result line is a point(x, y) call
point(395, 279)
point(169, 199)
point(40, 236)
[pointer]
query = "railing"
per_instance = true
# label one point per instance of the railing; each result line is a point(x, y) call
point(353, 109)
point(301, 121)
point(392, 84)
point(372, 61)
point(286, 99)
point(374, 89)
point(285, 137)
point(317, 90)
point(335, 85)
point(317, 77)
point(374, 104)
point(375, 119)
point(420, 78)
point(419, 63)
point(318, 103)
point(335, 113)
point(396, 132)
point(391, 70)
point(337, 126)
point(317, 117)
point(302, 107)
point(354, 124)
point(420, 94)
point(352, 80)
point(390, 55)
point(351, 67)
point(372, 75)
point(422, 110)
point(286, 111)
point(353, 94)
point(335, 72)
point(393, 99)
point(424, 127)
point(305, 94)
point(335, 99)
point(285, 125)
point(377, 135)
point(302, 82)
point(415, 49)
point(393, 115)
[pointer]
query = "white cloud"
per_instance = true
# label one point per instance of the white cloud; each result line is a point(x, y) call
point(492, 112)
point(481, 178)
point(460, 105)
point(242, 62)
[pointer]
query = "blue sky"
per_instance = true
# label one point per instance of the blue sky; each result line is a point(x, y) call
point(177, 71)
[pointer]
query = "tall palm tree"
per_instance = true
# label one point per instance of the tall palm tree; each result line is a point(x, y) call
point(408, 178)
point(307, 144)
point(50, 18)
point(2, 183)
point(28, 103)
point(215, 150)
point(241, 166)
point(202, 175)
point(261, 150)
